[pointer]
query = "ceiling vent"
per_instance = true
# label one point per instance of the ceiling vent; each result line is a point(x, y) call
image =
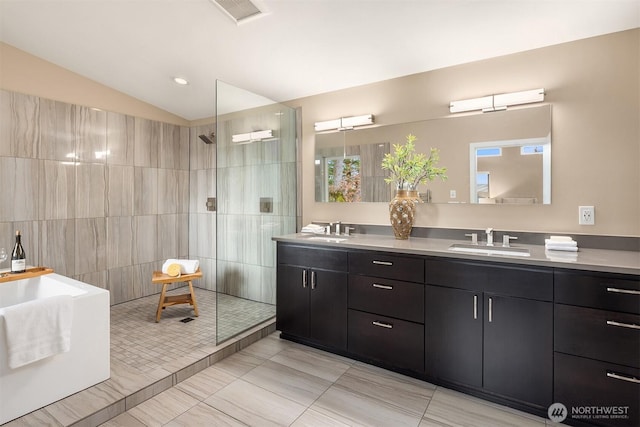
point(239, 10)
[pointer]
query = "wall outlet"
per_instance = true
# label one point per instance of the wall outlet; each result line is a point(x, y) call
point(586, 215)
point(452, 194)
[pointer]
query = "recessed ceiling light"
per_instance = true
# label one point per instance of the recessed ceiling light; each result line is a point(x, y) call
point(181, 81)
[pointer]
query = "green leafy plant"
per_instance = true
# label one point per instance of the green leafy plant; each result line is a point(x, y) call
point(407, 168)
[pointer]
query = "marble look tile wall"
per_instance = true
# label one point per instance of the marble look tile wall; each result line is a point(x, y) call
point(99, 196)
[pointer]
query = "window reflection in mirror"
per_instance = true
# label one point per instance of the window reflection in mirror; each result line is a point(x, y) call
point(511, 172)
point(452, 136)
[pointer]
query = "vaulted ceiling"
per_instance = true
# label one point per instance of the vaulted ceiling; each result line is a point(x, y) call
point(295, 48)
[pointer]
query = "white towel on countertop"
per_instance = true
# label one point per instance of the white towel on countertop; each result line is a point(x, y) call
point(560, 238)
point(554, 247)
point(37, 329)
point(561, 243)
point(568, 244)
point(187, 266)
point(313, 228)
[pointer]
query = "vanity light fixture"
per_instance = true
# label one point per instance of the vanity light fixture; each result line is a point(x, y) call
point(344, 123)
point(181, 81)
point(245, 138)
point(497, 102)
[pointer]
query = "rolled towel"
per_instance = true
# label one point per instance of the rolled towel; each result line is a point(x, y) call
point(187, 266)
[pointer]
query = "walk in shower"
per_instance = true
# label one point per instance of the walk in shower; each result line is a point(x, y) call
point(255, 200)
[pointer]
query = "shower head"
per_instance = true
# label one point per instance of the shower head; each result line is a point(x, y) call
point(208, 139)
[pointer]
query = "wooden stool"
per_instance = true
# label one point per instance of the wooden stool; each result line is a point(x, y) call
point(166, 301)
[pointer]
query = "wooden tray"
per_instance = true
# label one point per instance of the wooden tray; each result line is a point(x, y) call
point(30, 272)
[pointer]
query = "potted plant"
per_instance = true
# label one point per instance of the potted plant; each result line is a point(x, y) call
point(407, 169)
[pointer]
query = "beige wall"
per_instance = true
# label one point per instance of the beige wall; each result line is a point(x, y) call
point(25, 73)
point(593, 86)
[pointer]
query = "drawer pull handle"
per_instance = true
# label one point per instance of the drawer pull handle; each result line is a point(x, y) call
point(304, 278)
point(376, 262)
point(623, 291)
point(490, 310)
point(623, 377)
point(313, 280)
point(387, 287)
point(622, 325)
point(383, 325)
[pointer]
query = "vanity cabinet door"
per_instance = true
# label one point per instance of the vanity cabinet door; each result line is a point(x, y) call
point(518, 348)
point(328, 308)
point(311, 295)
point(453, 335)
point(292, 296)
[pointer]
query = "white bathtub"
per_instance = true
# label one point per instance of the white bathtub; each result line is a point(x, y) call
point(38, 384)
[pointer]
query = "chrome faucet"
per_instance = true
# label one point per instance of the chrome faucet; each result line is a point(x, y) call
point(474, 238)
point(506, 239)
point(338, 228)
point(489, 232)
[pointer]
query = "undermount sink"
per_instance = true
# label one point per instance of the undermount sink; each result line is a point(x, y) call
point(489, 250)
point(328, 239)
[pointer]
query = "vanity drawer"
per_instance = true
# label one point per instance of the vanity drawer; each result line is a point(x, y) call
point(320, 258)
point(605, 291)
point(598, 334)
point(388, 266)
point(392, 342)
point(581, 383)
point(402, 300)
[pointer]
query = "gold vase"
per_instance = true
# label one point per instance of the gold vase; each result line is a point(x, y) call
point(402, 210)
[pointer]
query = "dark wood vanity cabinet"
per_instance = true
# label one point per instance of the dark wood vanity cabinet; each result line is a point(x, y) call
point(524, 336)
point(489, 328)
point(312, 295)
point(597, 346)
point(386, 309)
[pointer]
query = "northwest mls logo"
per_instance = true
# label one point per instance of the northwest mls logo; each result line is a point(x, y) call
point(557, 412)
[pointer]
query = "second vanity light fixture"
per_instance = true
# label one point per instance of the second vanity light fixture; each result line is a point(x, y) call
point(497, 102)
point(245, 138)
point(344, 123)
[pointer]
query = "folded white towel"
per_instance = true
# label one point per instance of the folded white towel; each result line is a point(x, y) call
point(555, 247)
point(561, 238)
point(568, 243)
point(187, 266)
point(37, 329)
point(313, 228)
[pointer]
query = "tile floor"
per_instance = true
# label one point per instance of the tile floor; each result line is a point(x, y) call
point(148, 358)
point(274, 382)
point(173, 374)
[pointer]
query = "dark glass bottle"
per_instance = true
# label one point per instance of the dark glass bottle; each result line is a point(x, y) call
point(18, 257)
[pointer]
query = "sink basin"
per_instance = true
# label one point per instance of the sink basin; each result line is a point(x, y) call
point(328, 239)
point(489, 250)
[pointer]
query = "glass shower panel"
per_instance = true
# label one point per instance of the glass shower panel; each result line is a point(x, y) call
point(256, 200)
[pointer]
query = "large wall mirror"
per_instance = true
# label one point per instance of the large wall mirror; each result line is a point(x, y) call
point(502, 157)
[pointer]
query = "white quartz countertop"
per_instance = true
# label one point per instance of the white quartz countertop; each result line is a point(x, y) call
point(611, 261)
